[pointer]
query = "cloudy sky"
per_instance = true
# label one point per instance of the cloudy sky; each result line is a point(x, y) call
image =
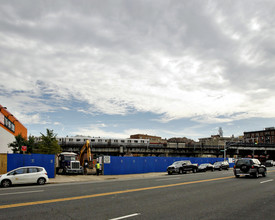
point(174, 68)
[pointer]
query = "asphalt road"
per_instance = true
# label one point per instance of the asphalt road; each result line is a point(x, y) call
point(210, 195)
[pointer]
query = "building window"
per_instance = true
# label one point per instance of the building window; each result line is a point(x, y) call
point(8, 124)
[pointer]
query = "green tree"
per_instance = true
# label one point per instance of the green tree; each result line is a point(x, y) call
point(18, 143)
point(49, 143)
point(31, 145)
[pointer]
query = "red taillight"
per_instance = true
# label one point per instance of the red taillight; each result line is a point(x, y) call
point(252, 167)
point(46, 174)
point(234, 166)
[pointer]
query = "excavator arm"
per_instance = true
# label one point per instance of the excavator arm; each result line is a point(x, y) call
point(89, 157)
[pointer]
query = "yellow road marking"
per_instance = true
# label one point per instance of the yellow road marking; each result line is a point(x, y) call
point(106, 194)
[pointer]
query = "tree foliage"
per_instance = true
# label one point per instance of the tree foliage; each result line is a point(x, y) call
point(18, 143)
point(48, 143)
point(31, 145)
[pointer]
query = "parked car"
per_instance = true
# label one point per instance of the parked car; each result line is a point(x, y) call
point(188, 166)
point(176, 167)
point(221, 165)
point(269, 163)
point(205, 166)
point(24, 175)
point(182, 167)
point(249, 167)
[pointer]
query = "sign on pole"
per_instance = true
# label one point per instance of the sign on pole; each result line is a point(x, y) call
point(107, 159)
point(24, 148)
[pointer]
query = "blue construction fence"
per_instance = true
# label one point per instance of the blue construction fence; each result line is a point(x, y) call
point(44, 160)
point(114, 165)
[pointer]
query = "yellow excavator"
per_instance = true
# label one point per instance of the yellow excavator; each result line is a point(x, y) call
point(86, 158)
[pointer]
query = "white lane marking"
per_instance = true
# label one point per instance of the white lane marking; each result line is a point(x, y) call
point(266, 181)
point(14, 193)
point(175, 178)
point(126, 216)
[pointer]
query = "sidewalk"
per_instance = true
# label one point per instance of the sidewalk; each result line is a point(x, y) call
point(89, 178)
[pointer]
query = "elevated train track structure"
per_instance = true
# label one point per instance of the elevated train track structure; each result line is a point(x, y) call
point(251, 149)
point(143, 147)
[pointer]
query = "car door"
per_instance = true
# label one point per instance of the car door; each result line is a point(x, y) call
point(32, 174)
point(189, 165)
point(20, 176)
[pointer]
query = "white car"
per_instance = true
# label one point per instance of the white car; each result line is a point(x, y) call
point(24, 175)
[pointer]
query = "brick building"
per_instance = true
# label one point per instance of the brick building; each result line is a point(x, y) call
point(217, 140)
point(266, 136)
point(152, 139)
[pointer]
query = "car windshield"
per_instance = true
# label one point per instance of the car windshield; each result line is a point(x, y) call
point(241, 162)
point(204, 165)
point(69, 158)
point(177, 163)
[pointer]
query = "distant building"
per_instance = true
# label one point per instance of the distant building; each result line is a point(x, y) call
point(217, 140)
point(152, 139)
point(266, 136)
point(181, 140)
point(9, 128)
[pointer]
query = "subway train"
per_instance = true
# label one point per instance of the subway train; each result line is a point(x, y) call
point(102, 141)
point(78, 141)
point(116, 142)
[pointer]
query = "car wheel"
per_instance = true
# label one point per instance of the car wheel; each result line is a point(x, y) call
point(169, 173)
point(180, 171)
point(41, 181)
point(256, 174)
point(6, 183)
point(244, 168)
point(264, 174)
point(237, 176)
point(194, 170)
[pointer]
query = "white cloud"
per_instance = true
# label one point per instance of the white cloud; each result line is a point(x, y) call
point(205, 62)
point(96, 130)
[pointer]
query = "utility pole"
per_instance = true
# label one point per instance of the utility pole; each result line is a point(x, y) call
point(224, 152)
